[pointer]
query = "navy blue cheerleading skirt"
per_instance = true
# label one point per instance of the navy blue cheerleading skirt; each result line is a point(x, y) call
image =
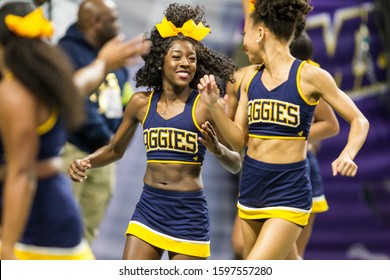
point(54, 229)
point(175, 221)
point(270, 190)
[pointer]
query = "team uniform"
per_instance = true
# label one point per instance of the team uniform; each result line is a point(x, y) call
point(175, 221)
point(54, 229)
point(320, 203)
point(270, 190)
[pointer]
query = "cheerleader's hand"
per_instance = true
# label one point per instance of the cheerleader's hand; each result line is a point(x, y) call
point(208, 89)
point(78, 168)
point(344, 165)
point(210, 139)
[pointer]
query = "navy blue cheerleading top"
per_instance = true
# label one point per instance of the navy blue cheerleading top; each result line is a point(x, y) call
point(281, 113)
point(173, 140)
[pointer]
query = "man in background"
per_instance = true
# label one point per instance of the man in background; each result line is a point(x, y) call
point(97, 23)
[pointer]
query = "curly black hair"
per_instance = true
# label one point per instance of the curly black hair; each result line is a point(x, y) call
point(208, 61)
point(284, 18)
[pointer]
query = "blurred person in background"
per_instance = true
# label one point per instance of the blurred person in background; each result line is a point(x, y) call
point(97, 23)
point(40, 219)
point(32, 138)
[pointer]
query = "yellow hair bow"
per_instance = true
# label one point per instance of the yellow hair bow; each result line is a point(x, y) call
point(189, 29)
point(32, 25)
point(251, 5)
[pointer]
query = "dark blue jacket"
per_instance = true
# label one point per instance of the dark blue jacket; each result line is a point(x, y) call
point(98, 129)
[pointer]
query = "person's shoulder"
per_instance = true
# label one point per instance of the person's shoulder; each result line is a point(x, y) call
point(9, 82)
point(73, 37)
point(310, 71)
point(249, 72)
point(253, 68)
point(20, 94)
point(141, 97)
point(241, 72)
point(315, 79)
point(144, 93)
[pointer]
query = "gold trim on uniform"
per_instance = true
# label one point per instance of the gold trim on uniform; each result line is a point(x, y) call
point(237, 87)
point(295, 215)
point(299, 86)
point(278, 137)
point(319, 204)
point(30, 252)
point(311, 62)
point(173, 162)
point(8, 76)
point(187, 247)
point(193, 112)
point(250, 80)
point(147, 109)
point(49, 124)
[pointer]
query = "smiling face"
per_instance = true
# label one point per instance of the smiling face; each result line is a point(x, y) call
point(179, 64)
point(252, 40)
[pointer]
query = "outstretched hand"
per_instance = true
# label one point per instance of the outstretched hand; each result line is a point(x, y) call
point(117, 52)
point(208, 89)
point(210, 139)
point(78, 168)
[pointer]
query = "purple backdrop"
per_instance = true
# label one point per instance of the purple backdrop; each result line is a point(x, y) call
point(347, 44)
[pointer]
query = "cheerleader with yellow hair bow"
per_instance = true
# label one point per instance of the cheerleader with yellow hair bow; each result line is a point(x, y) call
point(172, 213)
point(37, 99)
point(39, 104)
point(32, 25)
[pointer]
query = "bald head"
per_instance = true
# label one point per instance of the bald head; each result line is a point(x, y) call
point(98, 20)
point(90, 9)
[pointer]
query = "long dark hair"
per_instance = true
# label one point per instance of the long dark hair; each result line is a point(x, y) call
point(208, 61)
point(41, 67)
